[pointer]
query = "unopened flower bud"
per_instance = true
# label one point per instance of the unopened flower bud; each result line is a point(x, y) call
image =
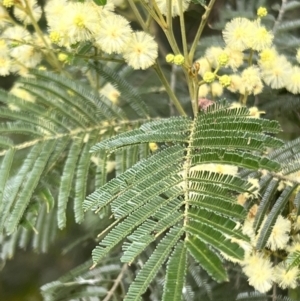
point(170, 58)
point(178, 59)
point(225, 80)
point(209, 77)
point(62, 57)
point(262, 12)
point(153, 146)
point(223, 59)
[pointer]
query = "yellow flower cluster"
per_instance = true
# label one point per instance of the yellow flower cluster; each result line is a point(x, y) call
point(257, 264)
point(69, 23)
point(177, 59)
point(243, 39)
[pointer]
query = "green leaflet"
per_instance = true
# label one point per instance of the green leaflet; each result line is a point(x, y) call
point(176, 270)
point(203, 200)
point(207, 259)
point(154, 263)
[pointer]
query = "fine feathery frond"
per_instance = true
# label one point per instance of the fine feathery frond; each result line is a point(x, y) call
point(272, 217)
point(173, 194)
point(45, 148)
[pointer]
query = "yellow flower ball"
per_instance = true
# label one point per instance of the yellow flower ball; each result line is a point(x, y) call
point(178, 59)
point(170, 58)
point(225, 80)
point(262, 12)
point(223, 59)
point(209, 77)
point(153, 146)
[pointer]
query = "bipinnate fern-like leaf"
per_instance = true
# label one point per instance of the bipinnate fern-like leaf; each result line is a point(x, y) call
point(46, 161)
point(174, 199)
point(273, 215)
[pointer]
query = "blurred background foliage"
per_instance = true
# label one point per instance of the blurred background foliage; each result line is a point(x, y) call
point(22, 277)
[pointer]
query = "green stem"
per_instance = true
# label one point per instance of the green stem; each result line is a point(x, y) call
point(166, 84)
point(152, 13)
point(183, 31)
point(138, 15)
point(250, 57)
point(159, 14)
point(169, 16)
point(195, 96)
point(54, 61)
point(200, 29)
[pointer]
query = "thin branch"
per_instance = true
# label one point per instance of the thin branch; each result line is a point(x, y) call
point(200, 29)
point(173, 86)
point(183, 31)
point(74, 133)
point(54, 61)
point(169, 90)
point(169, 16)
point(152, 13)
point(138, 15)
point(280, 16)
point(116, 284)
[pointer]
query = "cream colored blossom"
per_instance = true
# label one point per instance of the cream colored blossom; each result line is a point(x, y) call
point(203, 90)
point(217, 168)
point(286, 278)
point(141, 51)
point(55, 10)
point(216, 89)
point(248, 228)
point(113, 34)
point(268, 57)
point(280, 234)
point(235, 58)
point(4, 51)
point(16, 35)
point(237, 33)
point(277, 73)
point(4, 16)
point(212, 54)
point(79, 23)
point(255, 112)
point(259, 271)
point(5, 65)
point(293, 81)
point(251, 81)
point(110, 92)
point(26, 55)
point(204, 65)
point(23, 16)
point(260, 38)
point(21, 93)
point(235, 83)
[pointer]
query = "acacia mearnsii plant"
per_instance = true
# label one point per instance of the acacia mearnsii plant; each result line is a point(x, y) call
point(154, 127)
